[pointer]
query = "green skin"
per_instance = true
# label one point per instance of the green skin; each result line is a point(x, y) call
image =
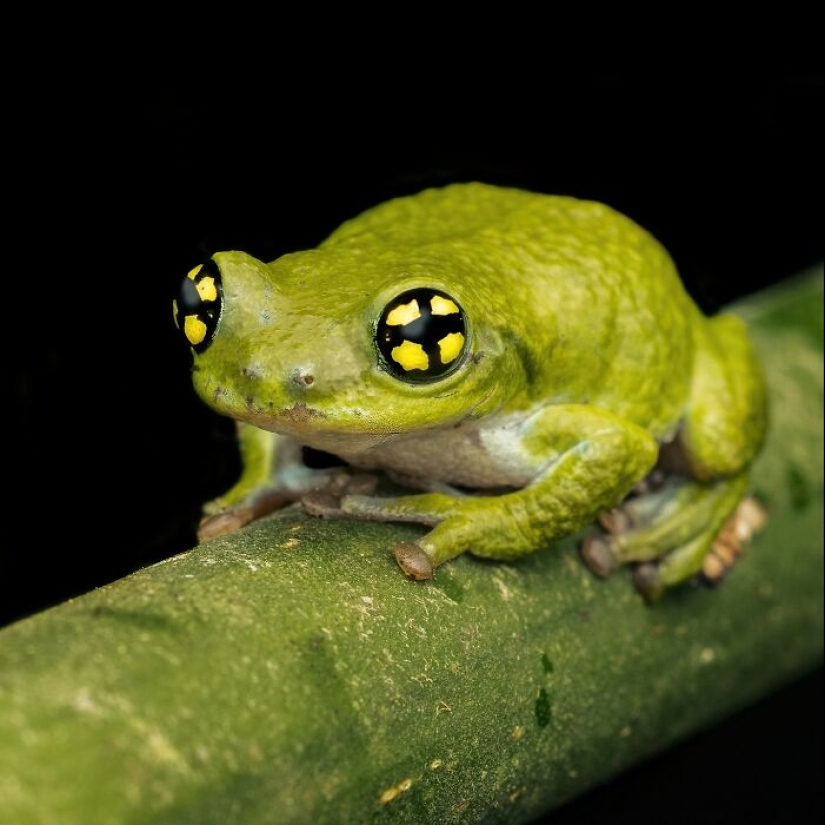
point(584, 355)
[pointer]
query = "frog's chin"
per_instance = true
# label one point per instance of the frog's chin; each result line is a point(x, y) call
point(314, 428)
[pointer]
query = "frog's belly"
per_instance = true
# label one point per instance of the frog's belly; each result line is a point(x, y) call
point(482, 456)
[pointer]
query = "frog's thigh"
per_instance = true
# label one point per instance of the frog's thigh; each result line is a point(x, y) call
point(724, 427)
point(592, 460)
point(726, 414)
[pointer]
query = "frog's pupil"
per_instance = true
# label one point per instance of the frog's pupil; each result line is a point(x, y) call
point(189, 301)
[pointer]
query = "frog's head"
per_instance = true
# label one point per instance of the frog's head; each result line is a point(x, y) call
point(339, 349)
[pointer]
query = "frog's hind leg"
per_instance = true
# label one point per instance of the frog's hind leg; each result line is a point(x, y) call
point(697, 520)
point(273, 476)
point(711, 555)
point(673, 531)
point(684, 529)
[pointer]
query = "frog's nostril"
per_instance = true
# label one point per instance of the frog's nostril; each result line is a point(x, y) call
point(303, 379)
point(253, 372)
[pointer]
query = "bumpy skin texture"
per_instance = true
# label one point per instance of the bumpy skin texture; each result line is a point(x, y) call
point(583, 354)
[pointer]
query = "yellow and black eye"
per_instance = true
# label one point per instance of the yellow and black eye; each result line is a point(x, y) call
point(198, 305)
point(421, 335)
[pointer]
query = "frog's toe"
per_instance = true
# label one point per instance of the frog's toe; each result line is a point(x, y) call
point(723, 554)
point(322, 503)
point(616, 521)
point(729, 546)
point(223, 523)
point(750, 517)
point(597, 553)
point(414, 561)
point(221, 518)
point(361, 484)
point(345, 483)
point(648, 582)
point(328, 501)
point(651, 483)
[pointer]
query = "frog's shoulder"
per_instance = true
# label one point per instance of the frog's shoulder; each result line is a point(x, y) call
point(443, 212)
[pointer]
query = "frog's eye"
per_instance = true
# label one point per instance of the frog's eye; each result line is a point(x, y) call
point(421, 335)
point(198, 305)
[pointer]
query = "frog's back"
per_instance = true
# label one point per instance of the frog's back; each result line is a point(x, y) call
point(591, 300)
point(439, 214)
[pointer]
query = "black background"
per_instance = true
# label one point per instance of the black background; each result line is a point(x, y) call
point(120, 188)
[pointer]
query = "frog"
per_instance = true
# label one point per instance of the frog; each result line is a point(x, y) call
point(520, 365)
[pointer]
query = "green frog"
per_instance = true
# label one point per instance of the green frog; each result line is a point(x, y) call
point(523, 364)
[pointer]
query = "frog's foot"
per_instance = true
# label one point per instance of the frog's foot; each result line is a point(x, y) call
point(414, 561)
point(651, 500)
point(710, 555)
point(325, 502)
point(222, 519)
point(682, 529)
point(437, 510)
point(599, 554)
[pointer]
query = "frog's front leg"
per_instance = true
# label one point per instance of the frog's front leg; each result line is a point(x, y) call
point(253, 494)
point(587, 460)
point(273, 475)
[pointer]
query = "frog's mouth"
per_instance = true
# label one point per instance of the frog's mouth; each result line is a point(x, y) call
point(298, 418)
point(300, 413)
point(314, 428)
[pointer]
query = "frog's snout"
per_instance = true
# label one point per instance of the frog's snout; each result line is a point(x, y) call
point(197, 308)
